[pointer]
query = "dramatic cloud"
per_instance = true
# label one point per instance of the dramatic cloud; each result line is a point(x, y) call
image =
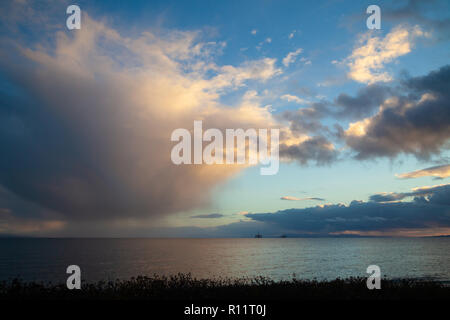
point(88, 120)
point(316, 149)
point(301, 199)
point(437, 171)
point(417, 124)
point(89, 135)
point(367, 61)
point(291, 56)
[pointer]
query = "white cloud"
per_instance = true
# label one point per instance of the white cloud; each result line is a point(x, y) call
point(292, 98)
point(305, 61)
point(437, 171)
point(367, 61)
point(291, 56)
point(230, 76)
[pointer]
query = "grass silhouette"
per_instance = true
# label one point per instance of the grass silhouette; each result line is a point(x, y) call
point(185, 287)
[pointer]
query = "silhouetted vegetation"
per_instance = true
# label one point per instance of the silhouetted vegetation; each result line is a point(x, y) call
point(186, 287)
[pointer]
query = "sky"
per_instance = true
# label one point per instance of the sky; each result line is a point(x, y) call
point(86, 118)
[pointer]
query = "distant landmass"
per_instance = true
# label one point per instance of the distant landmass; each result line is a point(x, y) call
point(316, 236)
point(443, 236)
point(287, 235)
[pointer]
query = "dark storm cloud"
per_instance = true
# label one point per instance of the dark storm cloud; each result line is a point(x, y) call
point(86, 119)
point(360, 216)
point(315, 149)
point(437, 81)
point(363, 104)
point(61, 144)
point(430, 207)
point(422, 13)
point(439, 196)
point(318, 149)
point(344, 106)
point(307, 120)
point(208, 216)
point(85, 134)
point(417, 124)
point(388, 197)
point(413, 118)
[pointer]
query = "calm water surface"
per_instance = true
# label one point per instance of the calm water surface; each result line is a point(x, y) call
point(326, 258)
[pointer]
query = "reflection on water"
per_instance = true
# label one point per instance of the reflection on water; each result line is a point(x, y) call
point(326, 258)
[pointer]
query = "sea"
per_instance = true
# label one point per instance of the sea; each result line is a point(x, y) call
point(46, 260)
